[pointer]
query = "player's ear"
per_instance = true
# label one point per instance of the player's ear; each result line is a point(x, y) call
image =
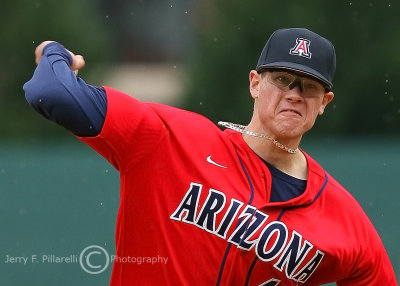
point(328, 96)
point(254, 79)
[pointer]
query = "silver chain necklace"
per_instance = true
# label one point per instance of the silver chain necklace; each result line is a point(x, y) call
point(242, 129)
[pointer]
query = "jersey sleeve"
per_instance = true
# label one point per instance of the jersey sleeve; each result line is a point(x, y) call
point(373, 266)
point(131, 130)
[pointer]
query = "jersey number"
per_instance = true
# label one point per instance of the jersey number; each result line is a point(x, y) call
point(271, 282)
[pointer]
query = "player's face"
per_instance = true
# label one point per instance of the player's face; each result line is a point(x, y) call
point(287, 105)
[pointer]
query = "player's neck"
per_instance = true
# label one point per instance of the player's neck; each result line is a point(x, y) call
point(292, 164)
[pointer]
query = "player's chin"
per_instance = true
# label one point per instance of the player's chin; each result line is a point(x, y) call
point(290, 121)
point(294, 128)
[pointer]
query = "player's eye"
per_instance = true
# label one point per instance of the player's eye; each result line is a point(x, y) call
point(310, 85)
point(282, 79)
point(313, 86)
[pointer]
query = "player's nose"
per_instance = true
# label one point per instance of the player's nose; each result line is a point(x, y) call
point(296, 82)
point(295, 92)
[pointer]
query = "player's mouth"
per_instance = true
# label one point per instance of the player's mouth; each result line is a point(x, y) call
point(291, 112)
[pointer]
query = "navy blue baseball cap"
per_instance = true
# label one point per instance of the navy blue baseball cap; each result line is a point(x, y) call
point(300, 50)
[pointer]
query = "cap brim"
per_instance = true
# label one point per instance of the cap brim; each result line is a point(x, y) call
point(297, 68)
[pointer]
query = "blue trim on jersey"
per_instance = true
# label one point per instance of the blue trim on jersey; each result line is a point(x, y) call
point(248, 179)
point(250, 271)
point(249, 202)
point(253, 264)
point(223, 263)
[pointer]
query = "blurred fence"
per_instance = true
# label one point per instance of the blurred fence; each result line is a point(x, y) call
point(58, 199)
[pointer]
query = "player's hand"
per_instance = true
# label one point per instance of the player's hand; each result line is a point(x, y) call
point(78, 62)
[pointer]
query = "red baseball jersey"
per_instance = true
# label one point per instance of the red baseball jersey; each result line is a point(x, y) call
point(195, 210)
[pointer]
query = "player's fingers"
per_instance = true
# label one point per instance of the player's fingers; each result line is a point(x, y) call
point(78, 62)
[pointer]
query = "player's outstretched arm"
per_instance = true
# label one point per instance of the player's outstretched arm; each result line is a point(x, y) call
point(59, 95)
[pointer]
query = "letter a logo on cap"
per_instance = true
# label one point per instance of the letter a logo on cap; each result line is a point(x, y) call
point(302, 48)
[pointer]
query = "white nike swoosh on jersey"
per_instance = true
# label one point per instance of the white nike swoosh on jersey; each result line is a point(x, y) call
point(209, 160)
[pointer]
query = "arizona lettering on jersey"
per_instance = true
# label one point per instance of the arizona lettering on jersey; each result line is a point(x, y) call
point(270, 240)
point(200, 197)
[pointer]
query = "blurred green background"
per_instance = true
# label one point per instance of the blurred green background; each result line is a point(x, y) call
point(58, 196)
